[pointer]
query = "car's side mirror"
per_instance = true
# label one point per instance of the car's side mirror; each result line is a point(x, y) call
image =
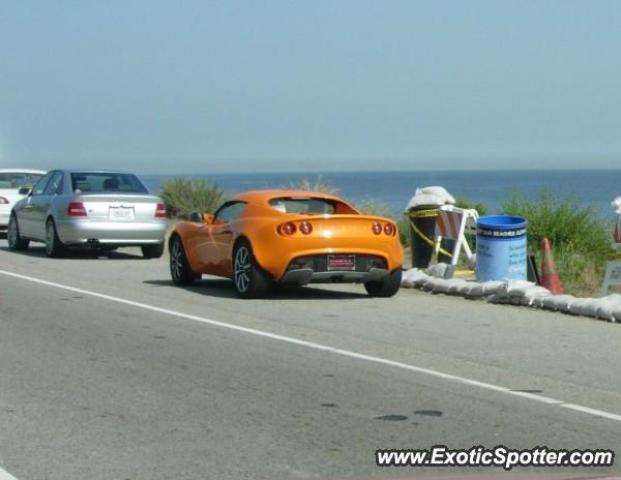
point(207, 218)
point(24, 191)
point(196, 217)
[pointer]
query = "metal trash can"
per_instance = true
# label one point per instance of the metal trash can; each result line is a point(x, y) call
point(422, 231)
point(501, 248)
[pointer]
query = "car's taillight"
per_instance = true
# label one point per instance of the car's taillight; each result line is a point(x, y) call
point(287, 228)
point(76, 209)
point(306, 228)
point(377, 228)
point(160, 211)
point(4, 201)
point(389, 229)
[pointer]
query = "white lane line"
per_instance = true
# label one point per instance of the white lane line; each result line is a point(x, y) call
point(4, 475)
point(334, 350)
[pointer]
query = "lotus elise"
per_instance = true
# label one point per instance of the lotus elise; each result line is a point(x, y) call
point(269, 237)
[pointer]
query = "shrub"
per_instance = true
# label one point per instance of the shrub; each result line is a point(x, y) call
point(370, 206)
point(183, 196)
point(581, 240)
point(481, 208)
point(317, 185)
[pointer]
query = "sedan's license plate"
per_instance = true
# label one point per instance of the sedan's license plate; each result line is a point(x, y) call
point(341, 262)
point(121, 213)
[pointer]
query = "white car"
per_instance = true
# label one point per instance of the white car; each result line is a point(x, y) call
point(11, 180)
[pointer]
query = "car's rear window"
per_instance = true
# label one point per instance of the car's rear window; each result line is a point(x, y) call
point(18, 179)
point(309, 205)
point(106, 183)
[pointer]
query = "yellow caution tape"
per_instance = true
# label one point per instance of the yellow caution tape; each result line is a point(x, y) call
point(427, 240)
point(424, 213)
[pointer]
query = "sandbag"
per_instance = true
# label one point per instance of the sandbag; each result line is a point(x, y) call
point(557, 303)
point(472, 290)
point(456, 285)
point(410, 277)
point(517, 288)
point(441, 285)
point(430, 283)
point(438, 270)
point(609, 308)
point(430, 196)
point(493, 287)
point(586, 307)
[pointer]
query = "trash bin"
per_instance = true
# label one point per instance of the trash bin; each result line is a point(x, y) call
point(422, 231)
point(501, 248)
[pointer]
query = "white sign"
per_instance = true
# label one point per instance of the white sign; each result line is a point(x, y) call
point(612, 277)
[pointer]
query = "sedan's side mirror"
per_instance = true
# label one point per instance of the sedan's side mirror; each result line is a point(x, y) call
point(196, 217)
point(24, 191)
point(207, 218)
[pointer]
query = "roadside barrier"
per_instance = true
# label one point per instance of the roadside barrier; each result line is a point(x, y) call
point(516, 292)
point(452, 223)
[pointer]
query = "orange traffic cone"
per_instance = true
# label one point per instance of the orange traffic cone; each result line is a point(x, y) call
point(549, 277)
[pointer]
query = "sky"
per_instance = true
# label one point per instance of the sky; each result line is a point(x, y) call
point(316, 85)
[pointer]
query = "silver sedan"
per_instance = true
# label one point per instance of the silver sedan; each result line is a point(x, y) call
point(96, 208)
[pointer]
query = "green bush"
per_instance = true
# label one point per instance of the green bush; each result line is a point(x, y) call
point(481, 208)
point(183, 196)
point(580, 239)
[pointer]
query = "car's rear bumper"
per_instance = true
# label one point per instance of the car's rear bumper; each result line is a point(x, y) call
point(315, 269)
point(5, 213)
point(73, 232)
point(304, 276)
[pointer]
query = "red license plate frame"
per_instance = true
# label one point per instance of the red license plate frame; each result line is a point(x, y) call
point(341, 262)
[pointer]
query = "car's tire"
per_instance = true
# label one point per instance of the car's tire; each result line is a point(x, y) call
point(54, 248)
point(386, 287)
point(180, 271)
point(250, 280)
point(15, 240)
point(153, 251)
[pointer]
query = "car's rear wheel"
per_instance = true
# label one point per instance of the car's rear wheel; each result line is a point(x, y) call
point(250, 280)
point(180, 271)
point(53, 246)
point(153, 251)
point(385, 288)
point(16, 242)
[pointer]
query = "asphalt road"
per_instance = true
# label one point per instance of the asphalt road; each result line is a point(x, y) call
point(124, 376)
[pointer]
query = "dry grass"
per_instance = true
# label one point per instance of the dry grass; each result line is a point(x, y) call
point(316, 185)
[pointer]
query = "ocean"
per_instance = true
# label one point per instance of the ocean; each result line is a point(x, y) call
point(594, 188)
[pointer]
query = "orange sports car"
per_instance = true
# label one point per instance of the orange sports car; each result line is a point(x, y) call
point(266, 237)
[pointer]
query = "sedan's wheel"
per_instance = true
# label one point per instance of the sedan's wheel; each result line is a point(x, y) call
point(16, 242)
point(53, 246)
point(179, 269)
point(250, 280)
point(153, 251)
point(387, 287)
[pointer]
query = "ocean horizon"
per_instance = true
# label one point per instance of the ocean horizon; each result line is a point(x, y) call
point(594, 188)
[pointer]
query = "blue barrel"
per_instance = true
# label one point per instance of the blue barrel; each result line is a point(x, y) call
point(501, 248)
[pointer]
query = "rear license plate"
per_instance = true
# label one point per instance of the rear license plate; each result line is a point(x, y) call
point(121, 213)
point(341, 262)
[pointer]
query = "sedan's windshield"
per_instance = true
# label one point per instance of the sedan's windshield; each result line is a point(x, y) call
point(18, 179)
point(106, 183)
